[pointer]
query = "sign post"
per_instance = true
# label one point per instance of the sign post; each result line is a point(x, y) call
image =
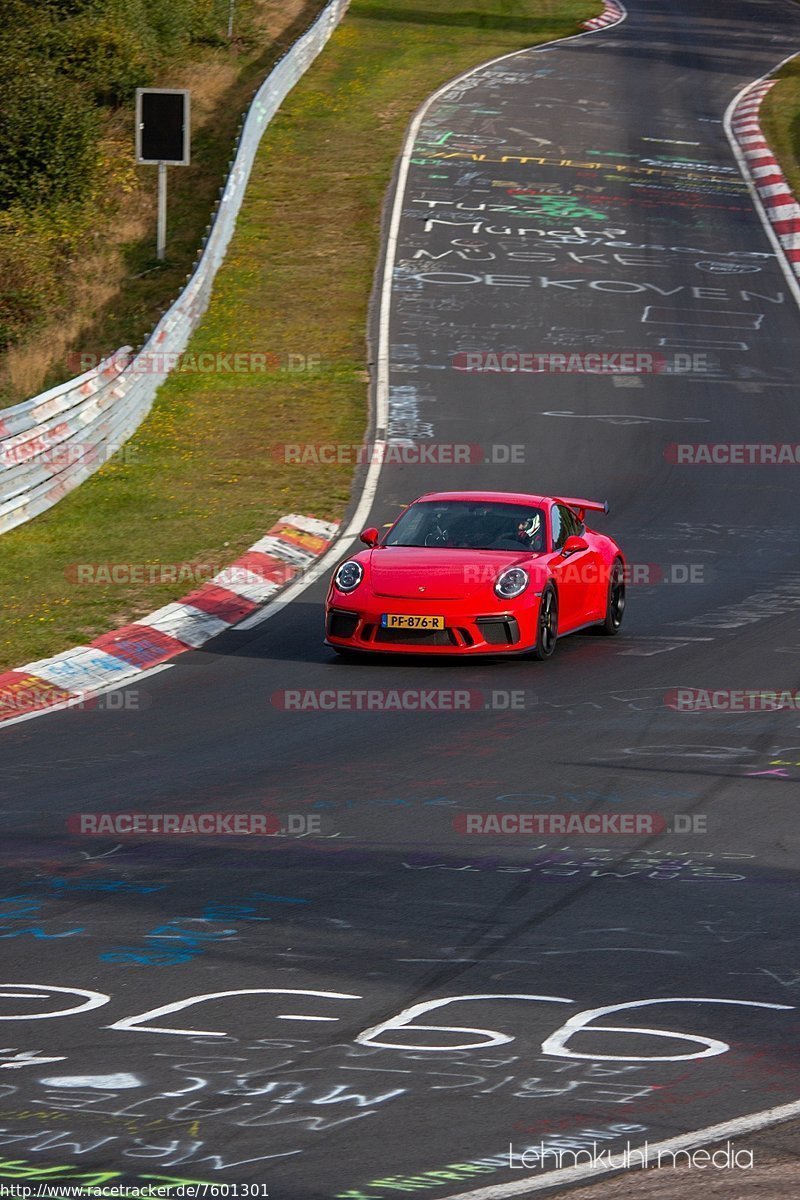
point(162, 138)
point(161, 230)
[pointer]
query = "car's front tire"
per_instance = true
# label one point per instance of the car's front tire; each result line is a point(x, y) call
point(547, 624)
point(615, 601)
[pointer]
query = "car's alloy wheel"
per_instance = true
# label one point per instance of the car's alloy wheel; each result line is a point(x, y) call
point(547, 625)
point(615, 604)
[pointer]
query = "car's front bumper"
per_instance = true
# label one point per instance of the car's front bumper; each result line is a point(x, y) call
point(465, 632)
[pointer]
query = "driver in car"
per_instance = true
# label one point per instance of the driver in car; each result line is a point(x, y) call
point(525, 534)
point(531, 534)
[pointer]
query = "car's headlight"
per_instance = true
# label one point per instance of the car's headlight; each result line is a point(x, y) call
point(349, 576)
point(511, 583)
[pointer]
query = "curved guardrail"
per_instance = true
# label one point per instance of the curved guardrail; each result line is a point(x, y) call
point(51, 443)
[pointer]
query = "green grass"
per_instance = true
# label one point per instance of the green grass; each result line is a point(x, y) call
point(780, 120)
point(204, 484)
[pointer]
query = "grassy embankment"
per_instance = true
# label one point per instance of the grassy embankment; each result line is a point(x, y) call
point(296, 281)
point(780, 120)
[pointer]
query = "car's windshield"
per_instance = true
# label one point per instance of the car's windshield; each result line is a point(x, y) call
point(462, 524)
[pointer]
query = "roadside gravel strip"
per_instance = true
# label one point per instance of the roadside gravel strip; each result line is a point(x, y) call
point(78, 676)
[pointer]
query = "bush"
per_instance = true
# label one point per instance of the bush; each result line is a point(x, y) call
point(62, 63)
point(166, 27)
point(108, 59)
point(48, 139)
point(68, 8)
point(28, 272)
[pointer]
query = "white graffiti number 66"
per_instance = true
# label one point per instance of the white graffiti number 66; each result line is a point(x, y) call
point(557, 1044)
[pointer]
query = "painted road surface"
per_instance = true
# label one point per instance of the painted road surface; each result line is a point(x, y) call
point(375, 1001)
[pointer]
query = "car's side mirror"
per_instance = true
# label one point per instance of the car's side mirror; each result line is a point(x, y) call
point(370, 536)
point(573, 544)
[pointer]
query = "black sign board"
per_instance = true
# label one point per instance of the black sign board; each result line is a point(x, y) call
point(162, 126)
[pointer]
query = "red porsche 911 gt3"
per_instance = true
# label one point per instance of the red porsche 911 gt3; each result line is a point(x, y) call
point(478, 573)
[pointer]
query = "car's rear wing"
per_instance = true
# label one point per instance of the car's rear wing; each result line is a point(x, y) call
point(581, 507)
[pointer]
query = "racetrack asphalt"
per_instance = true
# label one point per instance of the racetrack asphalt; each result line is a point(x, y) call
point(577, 198)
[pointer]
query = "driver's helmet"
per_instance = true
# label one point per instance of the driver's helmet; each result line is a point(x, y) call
point(528, 529)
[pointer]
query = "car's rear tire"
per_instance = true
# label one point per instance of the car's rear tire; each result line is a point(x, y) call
point(615, 601)
point(547, 624)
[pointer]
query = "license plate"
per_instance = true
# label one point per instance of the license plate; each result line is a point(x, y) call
point(400, 621)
